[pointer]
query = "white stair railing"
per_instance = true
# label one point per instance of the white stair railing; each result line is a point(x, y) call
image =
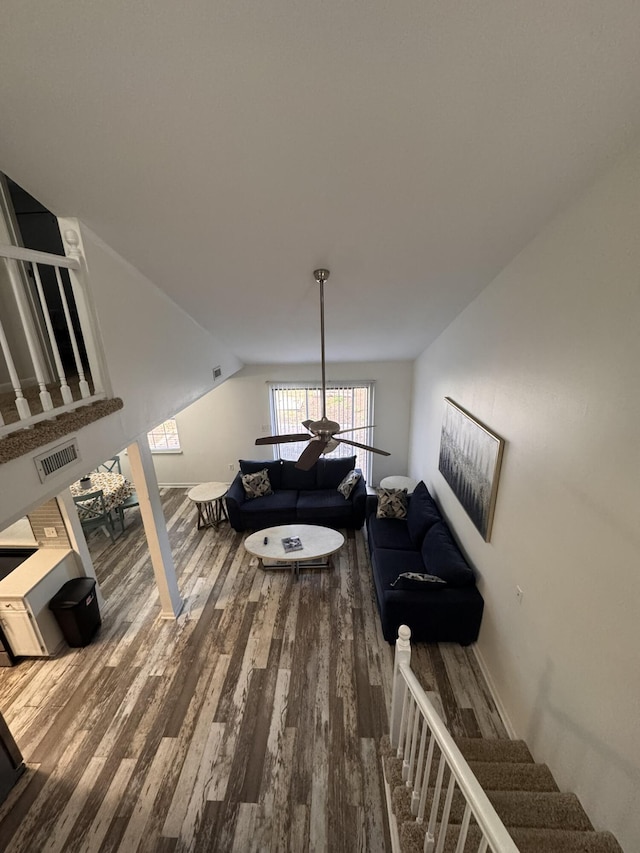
point(34, 341)
point(422, 741)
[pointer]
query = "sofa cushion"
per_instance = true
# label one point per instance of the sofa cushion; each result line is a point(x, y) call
point(331, 472)
point(347, 485)
point(257, 485)
point(422, 513)
point(322, 503)
point(442, 557)
point(274, 467)
point(281, 501)
point(389, 533)
point(391, 563)
point(392, 503)
point(296, 478)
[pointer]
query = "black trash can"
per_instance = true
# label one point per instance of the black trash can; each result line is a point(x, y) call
point(75, 607)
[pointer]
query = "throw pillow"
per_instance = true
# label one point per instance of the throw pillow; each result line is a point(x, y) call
point(417, 580)
point(347, 485)
point(392, 503)
point(257, 485)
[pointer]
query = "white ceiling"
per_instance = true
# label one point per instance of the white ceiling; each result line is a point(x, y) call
point(227, 148)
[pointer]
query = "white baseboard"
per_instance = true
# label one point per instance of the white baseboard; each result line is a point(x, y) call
point(502, 711)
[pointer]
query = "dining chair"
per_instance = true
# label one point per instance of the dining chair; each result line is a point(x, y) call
point(110, 466)
point(94, 515)
point(127, 503)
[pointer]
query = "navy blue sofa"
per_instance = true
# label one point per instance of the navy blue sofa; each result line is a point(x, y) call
point(445, 611)
point(299, 497)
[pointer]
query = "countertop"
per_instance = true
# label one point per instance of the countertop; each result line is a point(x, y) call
point(31, 572)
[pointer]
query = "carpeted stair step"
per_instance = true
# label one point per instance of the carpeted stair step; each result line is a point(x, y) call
point(497, 749)
point(533, 809)
point(527, 840)
point(509, 776)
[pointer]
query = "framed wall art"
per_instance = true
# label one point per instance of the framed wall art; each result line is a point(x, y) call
point(470, 458)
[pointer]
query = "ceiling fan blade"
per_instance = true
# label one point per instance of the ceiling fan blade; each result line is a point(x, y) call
point(364, 446)
point(353, 429)
point(306, 423)
point(311, 454)
point(283, 439)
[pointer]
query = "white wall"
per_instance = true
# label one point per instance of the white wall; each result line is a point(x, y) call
point(159, 361)
point(549, 357)
point(222, 427)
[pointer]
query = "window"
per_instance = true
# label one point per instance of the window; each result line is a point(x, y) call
point(350, 404)
point(164, 438)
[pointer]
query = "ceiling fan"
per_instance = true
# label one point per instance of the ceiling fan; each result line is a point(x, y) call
point(322, 434)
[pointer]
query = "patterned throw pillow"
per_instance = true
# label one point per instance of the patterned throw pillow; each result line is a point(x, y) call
point(257, 485)
point(346, 486)
point(392, 503)
point(417, 580)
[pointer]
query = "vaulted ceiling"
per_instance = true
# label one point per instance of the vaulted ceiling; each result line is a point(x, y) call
point(227, 148)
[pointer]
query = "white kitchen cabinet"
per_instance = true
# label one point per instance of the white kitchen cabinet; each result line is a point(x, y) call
point(29, 626)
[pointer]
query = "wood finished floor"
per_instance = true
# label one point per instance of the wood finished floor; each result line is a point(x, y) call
point(250, 723)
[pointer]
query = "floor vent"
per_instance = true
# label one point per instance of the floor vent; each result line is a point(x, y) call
point(217, 372)
point(53, 460)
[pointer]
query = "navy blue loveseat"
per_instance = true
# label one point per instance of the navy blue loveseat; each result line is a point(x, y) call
point(299, 497)
point(445, 611)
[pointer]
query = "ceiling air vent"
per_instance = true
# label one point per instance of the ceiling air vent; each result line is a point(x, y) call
point(54, 460)
point(217, 372)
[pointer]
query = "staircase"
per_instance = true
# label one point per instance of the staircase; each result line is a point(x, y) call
point(538, 817)
point(470, 795)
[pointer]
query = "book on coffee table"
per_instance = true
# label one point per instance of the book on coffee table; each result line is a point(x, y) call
point(291, 543)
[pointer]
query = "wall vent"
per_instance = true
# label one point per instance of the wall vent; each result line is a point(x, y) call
point(217, 372)
point(54, 460)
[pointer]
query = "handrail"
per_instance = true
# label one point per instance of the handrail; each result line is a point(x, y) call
point(18, 253)
point(416, 731)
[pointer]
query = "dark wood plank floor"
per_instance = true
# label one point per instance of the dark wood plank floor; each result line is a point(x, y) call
point(250, 723)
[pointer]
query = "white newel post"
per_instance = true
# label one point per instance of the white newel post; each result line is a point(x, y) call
point(73, 250)
point(403, 655)
point(155, 527)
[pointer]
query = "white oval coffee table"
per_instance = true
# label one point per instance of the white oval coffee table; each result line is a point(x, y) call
point(317, 543)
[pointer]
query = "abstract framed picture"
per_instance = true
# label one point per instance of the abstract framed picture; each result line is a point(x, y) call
point(470, 458)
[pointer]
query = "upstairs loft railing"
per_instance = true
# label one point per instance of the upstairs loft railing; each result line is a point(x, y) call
point(47, 335)
point(426, 748)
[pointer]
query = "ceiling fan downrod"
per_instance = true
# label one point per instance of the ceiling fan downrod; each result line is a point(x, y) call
point(321, 276)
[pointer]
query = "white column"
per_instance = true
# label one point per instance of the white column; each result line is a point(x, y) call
point(77, 539)
point(146, 483)
point(403, 655)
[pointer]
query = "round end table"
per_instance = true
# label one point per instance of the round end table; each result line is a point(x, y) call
point(209, 501)
point(397, 482)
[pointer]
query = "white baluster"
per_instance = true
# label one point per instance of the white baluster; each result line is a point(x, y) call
point(444, 821)
point(433, 815)
point(32, 344)
point(426, 776)
point(402, 655)
point(464, 829)
point(84, 311)
point(415, 796)
point(84, 385)
point(22, 405)
point(415, 727)
point(67, 396)
point(410, 717)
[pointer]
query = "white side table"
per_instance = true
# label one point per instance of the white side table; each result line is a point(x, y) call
point(397, 482)
point(209, 501)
